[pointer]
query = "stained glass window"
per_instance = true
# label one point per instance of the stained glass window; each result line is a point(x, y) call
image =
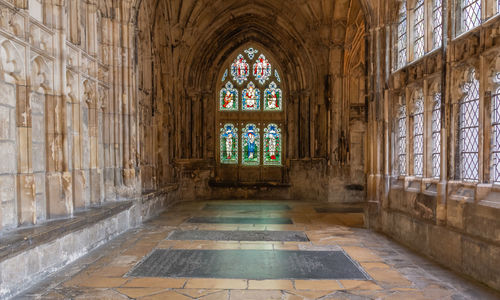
point(272, 145)
point(262, 69)
point(418, 46)
point(495, 120)
point(401, 46)
point(436, 136)
point(272, 97)
point(229, 144)
point(437, 23)
point(401, 138)
point(471, 14)
point(251, 97)
point(469, 130)
point(250, 89)
point(240, 69)
point(250, 145)
point(418, 138)
point(228, 97)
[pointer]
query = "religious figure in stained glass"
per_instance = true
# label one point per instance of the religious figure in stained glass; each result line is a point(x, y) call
point(272, 145)
point(228, 97)
point(251, 97)
point(272, 97)
point(229, 144)
point(250, 146)
point(240, 69)
point(262, 69)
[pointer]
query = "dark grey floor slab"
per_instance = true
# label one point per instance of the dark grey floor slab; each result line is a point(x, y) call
point(220, 235)
point(249, 264)
point(339, 209)
point(247, 207)
point(234, 220)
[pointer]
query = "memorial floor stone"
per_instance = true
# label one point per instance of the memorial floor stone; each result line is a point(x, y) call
point(249, 264)
point(245, 235)
point(235, 220)
point(247, 207)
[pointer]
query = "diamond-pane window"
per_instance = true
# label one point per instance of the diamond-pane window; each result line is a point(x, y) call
point(495, 121)
point(436, 136)
point(437, 23)
point(471, 14)
point(418, 138)
point(402, 37)
point(419, 30)
point(469, 131)
point(401, 138)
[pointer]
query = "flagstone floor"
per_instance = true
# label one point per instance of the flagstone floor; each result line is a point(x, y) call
point(394, 272)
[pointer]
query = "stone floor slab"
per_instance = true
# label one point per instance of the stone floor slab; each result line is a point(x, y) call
point(249, 264)
point(236, 220)
point(246, 235)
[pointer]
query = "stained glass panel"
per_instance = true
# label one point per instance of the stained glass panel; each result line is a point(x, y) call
point(401, 137)
point(250, 145)
point(419, 30)
point(272, 98)
point(495, 120)
point(240, 69)
point(224, 76)
point(272, 145)
point(229, 144)
point(251, 52)
point(228, 98)
point(471, 14)
point(436, 136)
point(469, 131)
point(418, 138)
point(262, 69)
point(251, 97)
point(277, 75)
point(437, 23)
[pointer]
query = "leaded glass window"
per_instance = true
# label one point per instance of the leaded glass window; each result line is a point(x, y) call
point(418, 138)
point(229, 144)
point(249, 117)
point(401, 38)
point(469, 130)
point(437, 23)
point(495, 120)
point(401, 141)
point(250, 145)
point(436, 136)
point(272, 145)
point(471, 14)
point(418, 46)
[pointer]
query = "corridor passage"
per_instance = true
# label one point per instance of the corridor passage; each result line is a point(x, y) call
point(255, 250)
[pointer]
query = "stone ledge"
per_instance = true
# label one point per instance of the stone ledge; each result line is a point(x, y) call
point(20, 240)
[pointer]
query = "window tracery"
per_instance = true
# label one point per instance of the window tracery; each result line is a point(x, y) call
point(469, 130)
point(437, 23)
point(495, 133)
point(419, 44)
point(418, 138)
point(401, 36)
point(436, 136)
point(250, 109)
point(401, 140)
point(471, 14)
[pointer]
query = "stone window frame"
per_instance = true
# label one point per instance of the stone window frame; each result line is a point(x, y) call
point(417, 95)
point(492, 87)
point(418, 4)
point(495, 124)
point(461, 76)
point(400, 47)
point(436, 43)
point(399, 107)
point(434, 89)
